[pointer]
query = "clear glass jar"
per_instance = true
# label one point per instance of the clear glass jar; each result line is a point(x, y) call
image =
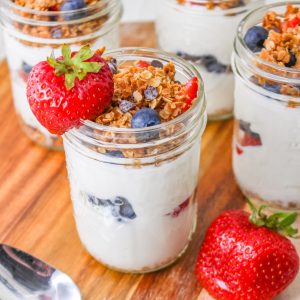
point(204, 37)
point(266, 146)
point(2, 49)
point(137, 214)
point(31, 35)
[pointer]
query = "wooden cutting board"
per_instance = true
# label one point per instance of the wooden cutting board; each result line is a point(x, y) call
point(36, 212)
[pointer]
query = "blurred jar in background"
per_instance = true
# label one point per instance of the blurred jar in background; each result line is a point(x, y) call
point(202, 32)
point(32, 32)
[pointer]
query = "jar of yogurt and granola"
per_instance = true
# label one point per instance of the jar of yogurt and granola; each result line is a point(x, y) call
point(202, 32)
point(266, 63)
point(132, 129)
point(34, 28)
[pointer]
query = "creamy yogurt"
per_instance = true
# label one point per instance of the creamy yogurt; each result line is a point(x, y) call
point(131, 218)
point(198, 32)
point(266, 156)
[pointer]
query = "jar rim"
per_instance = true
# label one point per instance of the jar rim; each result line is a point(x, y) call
point(164, 55)
point(29, 10)
point(229, 11)
point(250, 55)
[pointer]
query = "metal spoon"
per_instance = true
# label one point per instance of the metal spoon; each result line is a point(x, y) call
point(23, 276)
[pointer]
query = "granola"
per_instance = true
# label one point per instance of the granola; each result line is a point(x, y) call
point(138, 85)
point(132, 84)
point(281, 48)
point(66, 29)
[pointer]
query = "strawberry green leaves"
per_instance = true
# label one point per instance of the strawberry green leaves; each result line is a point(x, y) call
point(75, 66)
point(281, 221)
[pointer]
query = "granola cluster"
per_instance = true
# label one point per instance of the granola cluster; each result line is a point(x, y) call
point(143, 86)
point(284, 37)
point(62, 31)
point(212, 4)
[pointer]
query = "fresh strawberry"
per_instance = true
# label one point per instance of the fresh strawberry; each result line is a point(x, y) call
point(191, 88)
point(75, 86)
point(142, 64)
point(247, 256)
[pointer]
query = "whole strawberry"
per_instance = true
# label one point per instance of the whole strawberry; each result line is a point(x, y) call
point(244, 257)
point(75, 86)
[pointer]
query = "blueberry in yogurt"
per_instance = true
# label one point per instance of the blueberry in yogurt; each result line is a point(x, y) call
point(26, 67)
point(119, 207)
point(255, 38)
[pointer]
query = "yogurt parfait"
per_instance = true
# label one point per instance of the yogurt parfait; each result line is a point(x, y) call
point(132, 149)
point(266, 147)
point(34, 28)
point(202, 32)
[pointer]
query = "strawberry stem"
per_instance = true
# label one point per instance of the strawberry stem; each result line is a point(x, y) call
point(280, 222)
point(75, 66)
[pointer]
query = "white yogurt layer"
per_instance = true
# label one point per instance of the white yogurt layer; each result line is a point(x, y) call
point(17, 53)
point(269, 171)
point(202, 32)
point(153, 237)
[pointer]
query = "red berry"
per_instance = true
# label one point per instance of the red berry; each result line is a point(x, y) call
point(179, 208)
point(239, 260)
point(59, 100)
point(142, 64)
point(251, 140)
point(290, 23)
point(191, 88)
point(239, 150)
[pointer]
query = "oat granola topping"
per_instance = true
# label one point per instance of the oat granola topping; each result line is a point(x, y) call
point(144, 87)
point(280, 46)
point(283, 40)
point(61, 31)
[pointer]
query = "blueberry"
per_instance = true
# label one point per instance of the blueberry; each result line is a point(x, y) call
point(56, 33)
point(157, 64)
point(244, 126)
point(113, 65)
point(125, 208)
point(145, 117)
point(216, 67)
point(114, 153)
point(73, 5)
point(274, 88)
point(292, 61)
point(188, 57)
point(150, 93)
point(126, 105)
point(255, 37)
point(26, 67)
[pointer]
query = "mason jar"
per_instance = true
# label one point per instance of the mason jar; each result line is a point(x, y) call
point(134, 199)
point(203, 32)
point(266, 144)
point(31, 35)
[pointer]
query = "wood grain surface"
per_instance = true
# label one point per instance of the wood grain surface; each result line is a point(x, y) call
point(36, 212)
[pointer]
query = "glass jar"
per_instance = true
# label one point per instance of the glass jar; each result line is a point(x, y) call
point(266, 146)
point(31, 35)
point(2, 49)
point(137, 212)
point(204, 37)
